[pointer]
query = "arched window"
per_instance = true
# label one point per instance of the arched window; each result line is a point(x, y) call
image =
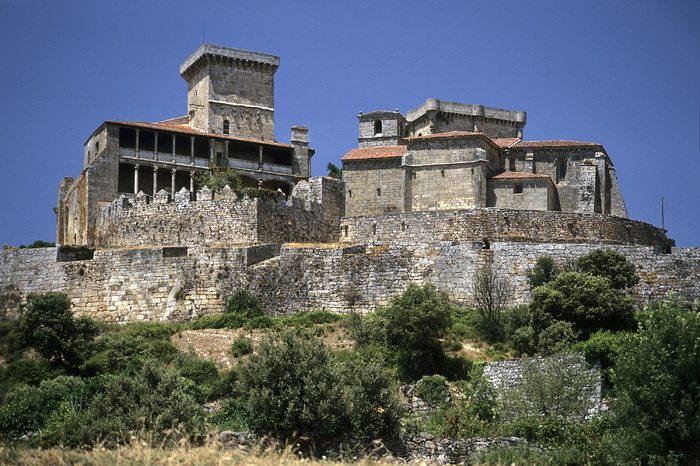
point(226, 127)
point(377, 127)
point(561, 170)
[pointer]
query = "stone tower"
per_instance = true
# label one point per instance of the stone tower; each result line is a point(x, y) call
point(231, 91)
point(382, 128)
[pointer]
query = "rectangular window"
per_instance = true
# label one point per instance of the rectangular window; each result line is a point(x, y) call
point(517, 188)
point(379, 191)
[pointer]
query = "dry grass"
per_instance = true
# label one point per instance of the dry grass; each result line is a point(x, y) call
point(141, 455)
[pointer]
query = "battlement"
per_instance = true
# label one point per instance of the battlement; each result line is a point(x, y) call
point(312, 213)
point(209, 52)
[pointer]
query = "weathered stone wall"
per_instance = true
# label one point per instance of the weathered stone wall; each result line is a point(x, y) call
point(178, 283)
point(374, 186)
point(503, 225)
point(312, 214)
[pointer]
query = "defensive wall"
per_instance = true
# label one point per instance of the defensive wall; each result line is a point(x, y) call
point(181, 282)
point(311, 214)
point(501, 225)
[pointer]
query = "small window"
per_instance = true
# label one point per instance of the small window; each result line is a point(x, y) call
point(97, 146)
point(518, 188)
point(349, 192)
point(377, 127)
point(379, 191)
point(414, 175)
point(226, 127)
point(442, 172)
point(561, 170)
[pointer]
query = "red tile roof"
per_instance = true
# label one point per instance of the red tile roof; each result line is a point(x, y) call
point(519, 176)
point(187, 129)
point(535, 144)
point(506, 142)
point(375, 153)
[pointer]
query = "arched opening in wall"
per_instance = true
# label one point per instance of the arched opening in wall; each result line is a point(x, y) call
point(274, 185)
point(226, 127)
point(377, 127)
point(182, 180)
point(561, 166)
point(248, 182)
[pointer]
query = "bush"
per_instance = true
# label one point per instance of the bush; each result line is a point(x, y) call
point(154, 404)
point(433, 390)
point(657, 382)
point(292, 387)
point(611, 265)
point(588, 302)
point(48, 326)
point(241, 346)
point(491, 293)
point(295, 386)
point(544, 271)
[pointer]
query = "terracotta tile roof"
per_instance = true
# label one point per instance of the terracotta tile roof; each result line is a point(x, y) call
point(519, 176)
point(535, 144)
point(506, 142)
point(187, 129)
point(375, 153)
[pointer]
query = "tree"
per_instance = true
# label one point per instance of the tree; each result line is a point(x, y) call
point(588, 302)
point(48, 326)
point(334, 172)
point(412, 326)
point(609, 264)
point(218, 178)
point(657, 382)
point(491, 294)
point(544, 271)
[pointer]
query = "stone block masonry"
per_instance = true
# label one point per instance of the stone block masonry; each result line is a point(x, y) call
point(178, 284)
point(311, 214)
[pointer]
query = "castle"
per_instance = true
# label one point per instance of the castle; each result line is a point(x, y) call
point(429, 196)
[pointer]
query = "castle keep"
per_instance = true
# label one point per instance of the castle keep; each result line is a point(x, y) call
point(429, 196)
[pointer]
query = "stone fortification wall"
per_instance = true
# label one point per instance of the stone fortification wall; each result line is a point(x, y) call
point(312, 213)
point(505, 225)
point(179, 283)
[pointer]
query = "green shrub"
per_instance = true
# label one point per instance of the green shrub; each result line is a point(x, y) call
point(28, 371)
point(241, 346)
point(433, 390)
point(611, 265)
point(544, 271)
point(153, 404)
point(38, 244)
point(48, 326)
point(203, 373)
point(243, 303)
point(233, 415)
point(292, 386)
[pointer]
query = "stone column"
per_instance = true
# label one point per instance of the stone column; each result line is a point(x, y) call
point(260, 157)
point(155, 180)
point(192, 150)
point(226, 153)
point(212, 155)
point(138, 131)
point(136, 178)
point(191, 183)
point(155, 143)
point(174, 141)
point(172, 182)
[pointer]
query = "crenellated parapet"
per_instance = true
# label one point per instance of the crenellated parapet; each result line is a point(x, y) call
point(311, 213)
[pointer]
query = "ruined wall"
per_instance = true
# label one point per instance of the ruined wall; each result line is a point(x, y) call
point(179, 283)
point(496, 224)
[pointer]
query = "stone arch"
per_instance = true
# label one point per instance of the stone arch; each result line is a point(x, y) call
point(274, 185)
point(377, 127)
point(248, 181)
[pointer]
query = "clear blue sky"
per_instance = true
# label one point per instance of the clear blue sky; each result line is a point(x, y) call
point(625, 74)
